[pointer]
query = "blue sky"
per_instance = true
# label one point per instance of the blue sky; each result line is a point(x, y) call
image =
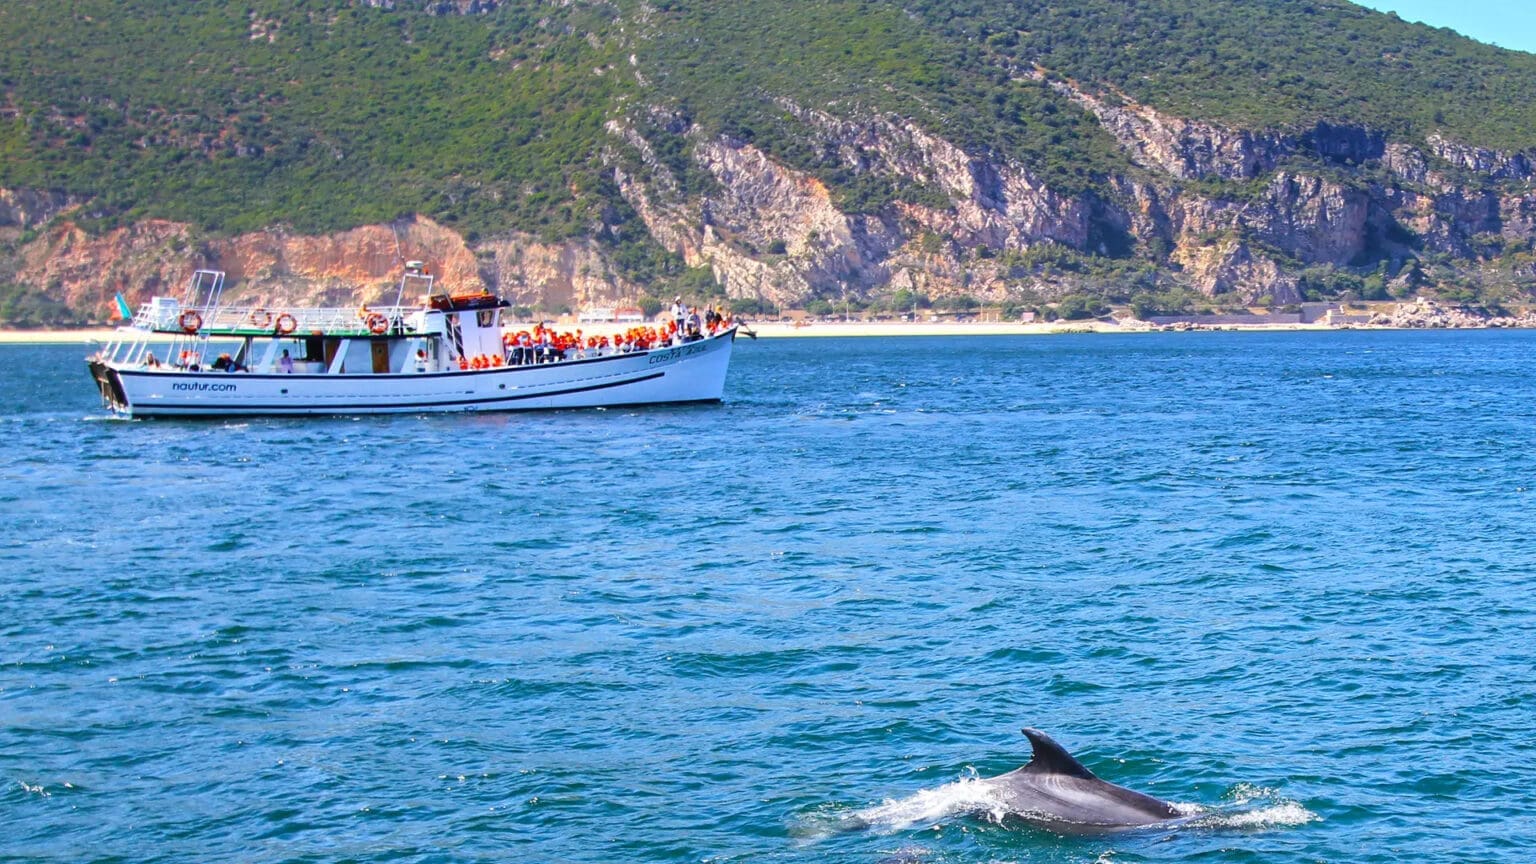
point(1506, 23)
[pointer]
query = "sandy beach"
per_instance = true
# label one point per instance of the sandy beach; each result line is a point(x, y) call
point(980, 328)
point(766, 329)
point(56, 337)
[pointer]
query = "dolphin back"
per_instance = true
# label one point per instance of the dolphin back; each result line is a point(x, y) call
point(1058, 792)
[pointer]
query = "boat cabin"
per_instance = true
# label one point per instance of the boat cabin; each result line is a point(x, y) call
point(441, 332)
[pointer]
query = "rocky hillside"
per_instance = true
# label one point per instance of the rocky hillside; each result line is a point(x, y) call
point(776, 153)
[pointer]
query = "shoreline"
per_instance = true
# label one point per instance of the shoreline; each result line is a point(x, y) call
point(82, 336)
point(776, 329)
point(765, 330)
point(832, 329)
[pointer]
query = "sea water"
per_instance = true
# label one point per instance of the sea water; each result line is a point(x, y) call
point(1282, 580)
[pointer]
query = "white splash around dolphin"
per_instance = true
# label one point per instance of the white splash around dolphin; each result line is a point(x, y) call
point(1054, 779)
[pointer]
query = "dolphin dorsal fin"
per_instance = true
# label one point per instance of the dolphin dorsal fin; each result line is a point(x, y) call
point(1052, 758)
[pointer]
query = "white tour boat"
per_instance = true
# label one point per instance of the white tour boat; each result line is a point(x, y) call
point(196, 357)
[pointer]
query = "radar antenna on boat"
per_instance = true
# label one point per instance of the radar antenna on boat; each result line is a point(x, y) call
point(416, 273)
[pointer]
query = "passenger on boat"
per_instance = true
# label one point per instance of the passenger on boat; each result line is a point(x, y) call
point(421, 359)
point(679, 312)
point(285, 363)
point(150, 361)
point(226, 363)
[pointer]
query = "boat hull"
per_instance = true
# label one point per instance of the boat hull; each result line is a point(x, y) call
point(693, 372)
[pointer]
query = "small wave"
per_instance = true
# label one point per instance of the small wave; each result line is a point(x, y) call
point(1252, 807)
point(924, 808)
point(1247, 793)
point(906, 855)
point(34, 789)
point(1284, 814)
point(931, 806)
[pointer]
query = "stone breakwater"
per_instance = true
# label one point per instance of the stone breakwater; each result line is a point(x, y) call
point(1433, 316)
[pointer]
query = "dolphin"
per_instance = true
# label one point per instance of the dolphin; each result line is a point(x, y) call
point(1054, 791)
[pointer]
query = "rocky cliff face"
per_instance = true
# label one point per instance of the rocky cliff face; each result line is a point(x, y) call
point(764, 205)
point(1293, 203)
point(275, 267)
point(1234, 214)
point(23, 208)
point(1181, 148)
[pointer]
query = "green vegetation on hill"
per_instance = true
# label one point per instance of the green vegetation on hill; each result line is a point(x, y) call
point(853, 57)
point(314, 114)
point(328, 114)
point(1264, 63)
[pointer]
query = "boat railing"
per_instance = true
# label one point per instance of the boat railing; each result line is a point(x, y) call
point(144, 318)
point(173, 317)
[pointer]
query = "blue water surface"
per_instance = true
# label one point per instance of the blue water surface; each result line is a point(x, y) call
point(1284, 580)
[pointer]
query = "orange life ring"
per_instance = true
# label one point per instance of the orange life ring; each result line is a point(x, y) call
point(286, 324)
point(261, 318)
point(190, 321)
point(377, 323)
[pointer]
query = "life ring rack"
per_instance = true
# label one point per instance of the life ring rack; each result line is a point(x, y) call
point(285, 324)
point(378, 325)
point(190, 321)
point(261, 319)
